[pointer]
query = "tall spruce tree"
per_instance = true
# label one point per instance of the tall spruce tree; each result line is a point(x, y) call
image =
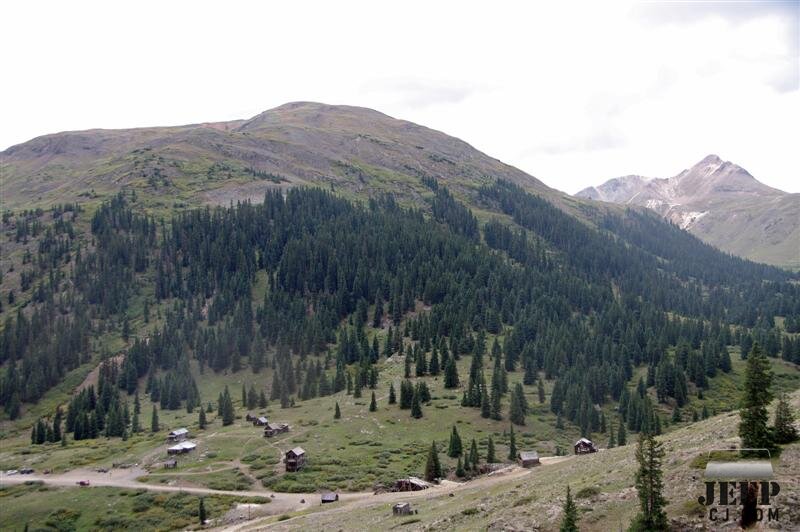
point(433, 468)
point(154, 420)
point(337, 413)
point(569, 518)
point(392, 395)
point(455, 447)
point(784, 429)
point(490, 452)
point(512, 445)
point(756, 396)
point(373, 405)
point(650, 486)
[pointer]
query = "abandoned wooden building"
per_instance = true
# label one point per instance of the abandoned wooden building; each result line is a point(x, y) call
point(411, 484)
point(295, 459)
point(528, 458)
point(178, 434)
point(329, 497)
point(260, 421)
point(271, 429)
point(171, 464)
point(182, 448)
point(249, 417)
point(402, 508)
point(584, 446)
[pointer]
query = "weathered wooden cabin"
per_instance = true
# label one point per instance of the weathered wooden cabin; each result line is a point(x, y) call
point(402, 508)
point(411, 484)
point(329, 497)
point(295, 459)
point(182, 448)
point(260, 421)
point(271, 429)
point(171, 464)
point(585, 446)
point(528, 458)
point(178, 435)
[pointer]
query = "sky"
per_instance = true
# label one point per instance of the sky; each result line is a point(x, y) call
point(573, 93)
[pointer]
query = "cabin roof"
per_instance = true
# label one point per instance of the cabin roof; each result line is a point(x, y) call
point(298, 451)
point(584, 441)
point(188, 445)
point(528, 455)
point(178, 432)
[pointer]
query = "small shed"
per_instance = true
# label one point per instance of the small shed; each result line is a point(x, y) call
point(182, 448)
point(260, 421)
point(171, 464)
point(402, 508)
point(329, 496)
point(411, 484)
point(584, 446)
point(528, 458)
point(249, 417)
point(295, 459)
point(178, 434)
point(271, 429)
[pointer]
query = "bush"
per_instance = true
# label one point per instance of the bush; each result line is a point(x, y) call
point(587, 492)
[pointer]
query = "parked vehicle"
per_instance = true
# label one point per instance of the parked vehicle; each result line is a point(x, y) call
point(83, 483)
point(26, 471)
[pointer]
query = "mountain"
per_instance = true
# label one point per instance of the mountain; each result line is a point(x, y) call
point(722, 204)
point(352, 149)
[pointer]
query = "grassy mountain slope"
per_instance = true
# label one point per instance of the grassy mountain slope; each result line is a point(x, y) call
point(355, 150)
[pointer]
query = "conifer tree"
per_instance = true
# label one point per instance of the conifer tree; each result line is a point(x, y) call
point(474, 459)
point(433, 468)
point(784, 429)
point(154, 420)
point(612, 441)
point(490, 452)
point(392, 396)
point(650, 485)
point(755, 397)
point(416, 406)
point(450, 373)
point(373, 406)
point(201, 420)
point(202, 512)
point(262, 400)
point(434, 363)
point(460, 468)
point(569, 519)
point(337, 413)
point(622, 435)
point(228, 412)
point(455, 448)
point(519, 406)
point(512, 445)
point(540, 390)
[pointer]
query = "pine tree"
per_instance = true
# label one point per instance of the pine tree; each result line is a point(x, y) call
point(154, 420)
point(416, 406)
point(433, 468)
point(622, 435)
point(337, 413)
point(756, 396)
point(490, 452)
point(373, 406)
point(519, 406)
point(450, 374)
point(460, 469)
point(228, 411)
point(784, 429)
point(202, 513)
point(676, 415)
point(540, 390)
point(569, 519)
point(474, 459)
point(454, 449)
point(201, 420)
point(392, 396)
point(650, 485)
point(612, 442)
point(262, 400)
point(512, 445)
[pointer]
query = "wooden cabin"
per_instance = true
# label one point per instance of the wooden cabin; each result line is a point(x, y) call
point(271, 429)
point(259, 421)
point(182, 448)
point(178, 435)
point(249, 417)
point(411, 484)
point(329, 497)
point(295, 459)
point(528, 458)
point(402, 508)
point(171, 464)
point(585, 446)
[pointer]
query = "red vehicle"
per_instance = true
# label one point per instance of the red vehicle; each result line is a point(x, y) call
point(83, 483)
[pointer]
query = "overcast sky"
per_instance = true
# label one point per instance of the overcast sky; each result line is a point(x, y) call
point(572, 93)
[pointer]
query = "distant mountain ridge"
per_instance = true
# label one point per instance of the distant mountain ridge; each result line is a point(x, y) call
point(721, 203)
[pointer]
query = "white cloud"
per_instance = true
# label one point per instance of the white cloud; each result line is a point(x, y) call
point(572, 94)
